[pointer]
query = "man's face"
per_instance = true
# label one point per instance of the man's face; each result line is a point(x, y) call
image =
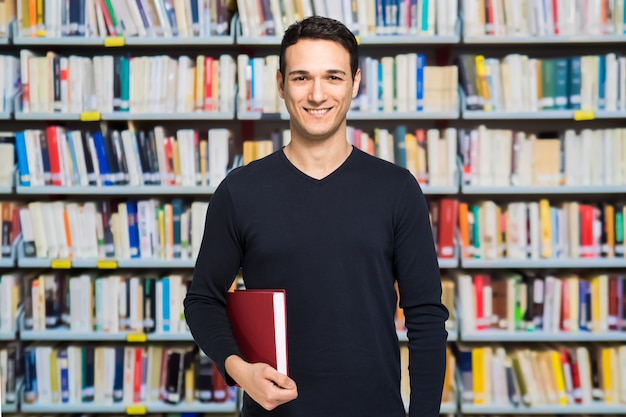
point(317, 88)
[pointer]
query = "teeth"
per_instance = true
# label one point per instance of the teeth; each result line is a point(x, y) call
point(318, 112)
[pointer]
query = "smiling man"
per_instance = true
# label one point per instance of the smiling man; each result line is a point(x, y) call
point(336, 228)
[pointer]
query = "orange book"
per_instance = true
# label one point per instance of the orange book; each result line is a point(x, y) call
point(68, 233)
point(464, 230)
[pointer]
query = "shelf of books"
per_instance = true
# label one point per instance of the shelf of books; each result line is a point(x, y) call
point(545, 39)
point(116, 190)
point(7, 335)
point(131, 409)
point(199, 115)
point(104, 263)
point(583, 263)
point(541, 336)
point(555, 409)
point(542, 115)
point(543, 190)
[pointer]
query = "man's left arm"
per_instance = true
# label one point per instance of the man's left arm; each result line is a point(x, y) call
point(419, 282)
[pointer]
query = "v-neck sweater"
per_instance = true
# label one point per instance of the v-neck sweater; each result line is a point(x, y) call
point(337, 246)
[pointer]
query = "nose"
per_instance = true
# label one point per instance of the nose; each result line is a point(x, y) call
point(317, 94)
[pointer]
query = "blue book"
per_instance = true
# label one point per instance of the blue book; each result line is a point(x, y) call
point(574, 83)
point(118, 376)
point(380, 17)
point(421, 63)
point(166, 304)
point(601, 82)
point(561, 93)
point(133, 229)
point(22, 159)
point(45, 157)
point(62, 364)
point(103, 163)
point(144, 17)
point(583, 292)
point(399, 146)
point(177, 211)
point(30, 375)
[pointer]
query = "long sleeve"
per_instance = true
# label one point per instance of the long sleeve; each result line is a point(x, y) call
point(217, 264)
point(417, 272)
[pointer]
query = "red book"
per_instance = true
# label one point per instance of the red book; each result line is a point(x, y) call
point(54, 155)
point(586, 230)
point(447, 227)
point(613, 318)
point(479, 288)
point(259, 322)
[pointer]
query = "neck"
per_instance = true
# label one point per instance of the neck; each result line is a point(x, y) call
point(317, 160)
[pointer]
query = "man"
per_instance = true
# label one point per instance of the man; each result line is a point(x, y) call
point(336, 228)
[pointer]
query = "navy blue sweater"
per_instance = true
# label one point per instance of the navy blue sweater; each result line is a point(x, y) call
point(336, 245)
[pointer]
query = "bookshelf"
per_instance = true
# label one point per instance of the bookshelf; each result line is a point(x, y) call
point(544, 263)
point(130, 409)
point(112, 190)
point(541, 336)
point(544, 409)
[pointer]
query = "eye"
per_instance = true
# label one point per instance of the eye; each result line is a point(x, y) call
point(300, 78)
point(334, 78)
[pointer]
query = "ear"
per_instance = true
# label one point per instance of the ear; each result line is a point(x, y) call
point(356, 83)
point(280, 83)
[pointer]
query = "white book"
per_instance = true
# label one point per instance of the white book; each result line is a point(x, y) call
point(198, 216)
point(218, 155)
point(466, 298)
point(87, 303)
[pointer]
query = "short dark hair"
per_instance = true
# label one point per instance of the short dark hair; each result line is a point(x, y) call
point(319, 27)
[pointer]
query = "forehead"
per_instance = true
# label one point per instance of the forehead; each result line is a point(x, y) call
point(310, 54)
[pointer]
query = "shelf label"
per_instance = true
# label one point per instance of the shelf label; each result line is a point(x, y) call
point(60, 264)
point(106, 264)
point(136, 337)
point(136, 410)
point(90, 116)
point(114, 41)
point(580, 115)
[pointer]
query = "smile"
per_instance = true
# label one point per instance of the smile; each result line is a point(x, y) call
point(318, 112)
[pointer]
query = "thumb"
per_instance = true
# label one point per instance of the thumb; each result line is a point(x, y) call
point(283, 381)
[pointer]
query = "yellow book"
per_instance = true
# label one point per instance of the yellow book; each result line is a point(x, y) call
point(609, 219)
point(606, 374)
point(559, 377)
point(411, 153)
point(161, 222)
point(248, 151)
point(41, 27)
point(546, 228)
point(177, 163)
point(204, 175)
point(54, 377)
point(478, 374)
point(482, 83)
point(199, 83)
point(190, 385)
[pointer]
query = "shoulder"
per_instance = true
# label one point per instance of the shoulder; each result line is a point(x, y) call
point(383, 172)
point(254, 171)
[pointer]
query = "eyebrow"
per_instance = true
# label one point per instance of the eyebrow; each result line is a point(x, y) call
point(330, 71)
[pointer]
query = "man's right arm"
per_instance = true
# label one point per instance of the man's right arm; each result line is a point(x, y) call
point(218, 262)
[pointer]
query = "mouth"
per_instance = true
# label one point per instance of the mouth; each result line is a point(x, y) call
point(318, 112)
